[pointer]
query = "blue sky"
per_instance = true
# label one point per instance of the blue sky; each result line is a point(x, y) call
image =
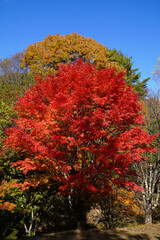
point(132, 26)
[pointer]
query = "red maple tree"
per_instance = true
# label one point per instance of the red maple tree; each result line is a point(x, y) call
point(80, 128)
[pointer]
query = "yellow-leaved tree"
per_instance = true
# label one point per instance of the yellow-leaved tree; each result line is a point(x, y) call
point(46, 56)
point(118, 208)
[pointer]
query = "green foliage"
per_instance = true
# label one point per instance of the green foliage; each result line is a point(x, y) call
point(10, 216)
point(50, 210)
point(9, 93)
point(13, 234)
point(8, 222)
point(6, 113)
point(13, 83)
point(133, 78)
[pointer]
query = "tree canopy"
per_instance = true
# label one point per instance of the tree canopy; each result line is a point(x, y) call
point(80, 128)
point(45, 57)
point(10, 70)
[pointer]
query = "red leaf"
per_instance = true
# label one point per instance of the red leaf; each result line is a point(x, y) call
point(80, 126)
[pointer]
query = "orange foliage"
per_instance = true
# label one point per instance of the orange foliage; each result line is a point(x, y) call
point(7, 206)
point(45, 56)
point(80, 128)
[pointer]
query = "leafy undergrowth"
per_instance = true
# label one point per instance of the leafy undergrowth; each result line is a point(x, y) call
point(140, 232)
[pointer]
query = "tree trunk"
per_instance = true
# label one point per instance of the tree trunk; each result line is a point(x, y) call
point(81, 218)
point(80, 209)
point(148, 216)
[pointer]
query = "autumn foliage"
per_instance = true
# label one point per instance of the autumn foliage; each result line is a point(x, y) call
point(80, 128)
point(116, 207)
point(47, 55)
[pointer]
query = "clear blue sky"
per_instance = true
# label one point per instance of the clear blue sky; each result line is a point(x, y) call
point(132, 26)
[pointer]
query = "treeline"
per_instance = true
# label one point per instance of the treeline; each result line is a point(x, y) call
point(34, 196)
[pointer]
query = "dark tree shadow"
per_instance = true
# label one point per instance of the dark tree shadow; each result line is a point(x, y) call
point(92, 234)
point(112, 235)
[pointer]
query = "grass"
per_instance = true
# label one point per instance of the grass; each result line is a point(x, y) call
point(140, 232)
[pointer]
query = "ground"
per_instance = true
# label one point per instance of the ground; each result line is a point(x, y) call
point(141, 232)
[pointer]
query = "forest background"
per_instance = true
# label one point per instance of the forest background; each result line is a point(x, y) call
point(15, 81)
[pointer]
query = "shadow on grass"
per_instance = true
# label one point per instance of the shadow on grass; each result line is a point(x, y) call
point(93, 234)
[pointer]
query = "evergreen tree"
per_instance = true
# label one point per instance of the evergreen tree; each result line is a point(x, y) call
point(133, 78)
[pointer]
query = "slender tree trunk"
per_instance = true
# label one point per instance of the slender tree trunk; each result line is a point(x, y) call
point(148, 216)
